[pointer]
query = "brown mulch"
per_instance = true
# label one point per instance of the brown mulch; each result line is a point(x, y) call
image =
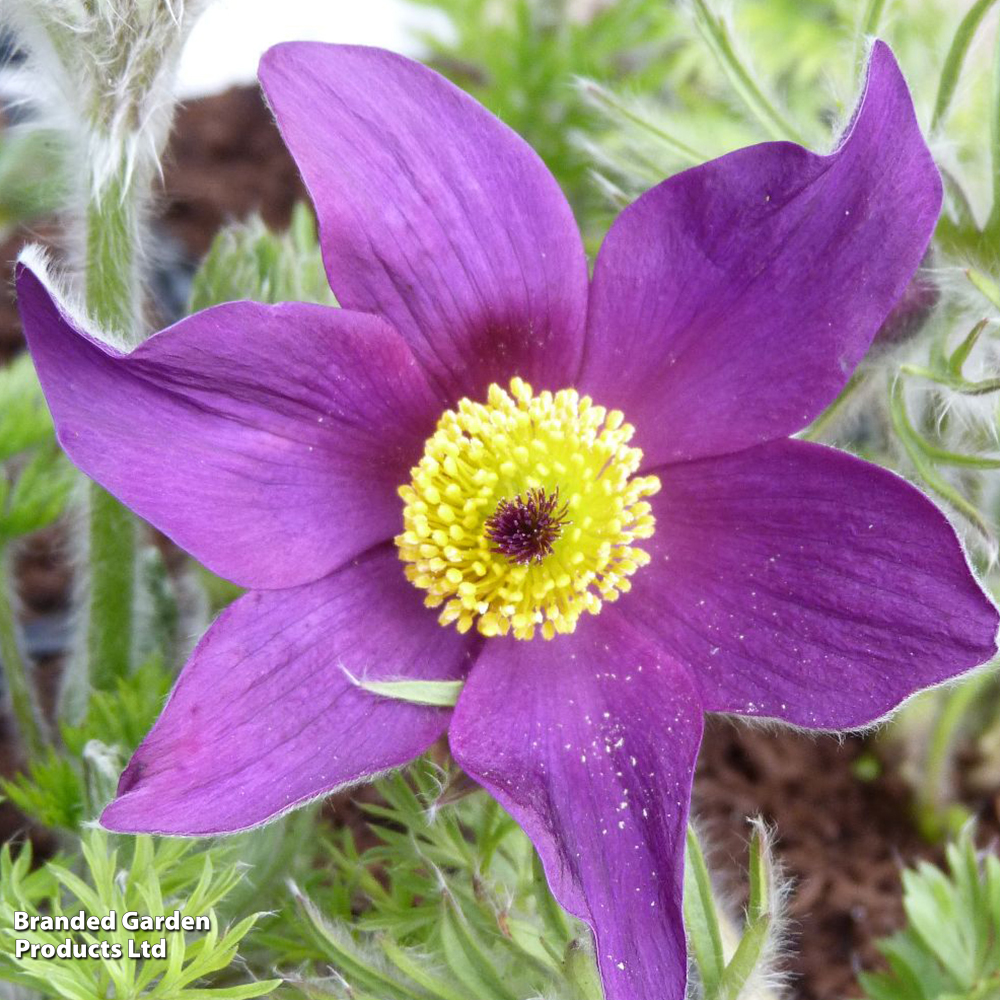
point(225, 161)
point(841, 840)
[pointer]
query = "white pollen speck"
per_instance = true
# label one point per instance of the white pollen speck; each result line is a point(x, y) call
point(621, 965)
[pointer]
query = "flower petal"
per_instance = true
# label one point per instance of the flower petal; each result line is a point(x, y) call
point(269, 441)
point(265, 717)
point(731, 303)
point(433, 214)
point(590, 742)
point(803, 584)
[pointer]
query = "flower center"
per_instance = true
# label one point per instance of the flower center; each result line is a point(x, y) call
point(523, 512)
point(524, 530)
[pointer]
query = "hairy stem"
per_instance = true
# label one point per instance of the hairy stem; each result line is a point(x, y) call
point(905, 433)
point(715, 31)
point(934, 792)
point(112, 301)
point(111, 592)
point(964, 35)
point(873, 17)
point(20, 690)
point(110, 277)
point(822, 423)
point(993, 225)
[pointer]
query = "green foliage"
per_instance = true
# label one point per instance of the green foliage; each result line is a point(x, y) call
point(448, 903)
point(35, 477)
point(158, 878)
point(62, 790)
point(38, 494)
point(24, 417)
point(721, 92)
point(32, 175)
point(718, 37)
point(520, 58)
point(950, 948)
point(122, 716)
point(35, 482)
point(50, 791)
point(248, 261)
point(219, 592)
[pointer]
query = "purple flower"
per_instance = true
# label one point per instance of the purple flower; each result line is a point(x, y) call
point(454, 438)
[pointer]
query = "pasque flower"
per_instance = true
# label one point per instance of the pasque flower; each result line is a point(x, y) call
point(579, 495)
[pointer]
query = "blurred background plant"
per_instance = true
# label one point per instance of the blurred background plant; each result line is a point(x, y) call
point(950, 946)
point(437, 895)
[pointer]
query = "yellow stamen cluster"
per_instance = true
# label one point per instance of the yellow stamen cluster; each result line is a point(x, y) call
point(484, 453)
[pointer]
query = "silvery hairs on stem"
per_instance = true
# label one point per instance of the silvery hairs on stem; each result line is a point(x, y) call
point(102, 71)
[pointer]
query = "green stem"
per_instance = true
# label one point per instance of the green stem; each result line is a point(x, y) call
point(906, 433)
point(111, 593)
point(944, 457)
point(716, 34)
point(548, 909)
point(960, 385)
point(993, 224)
point(868, 28)
point(955, 706)
point(821, 424)
point(15, 668)
point(956, 57)
point(112, 302)
point(986, 286)
point(873, 17)
point(111, 257)
point(613, 103)
point(701, 919)
point(956, 363)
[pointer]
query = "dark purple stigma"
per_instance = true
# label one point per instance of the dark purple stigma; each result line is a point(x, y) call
point(524, 529)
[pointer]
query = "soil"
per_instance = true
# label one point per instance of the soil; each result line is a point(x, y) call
point(226, 161)
point(842, 840)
